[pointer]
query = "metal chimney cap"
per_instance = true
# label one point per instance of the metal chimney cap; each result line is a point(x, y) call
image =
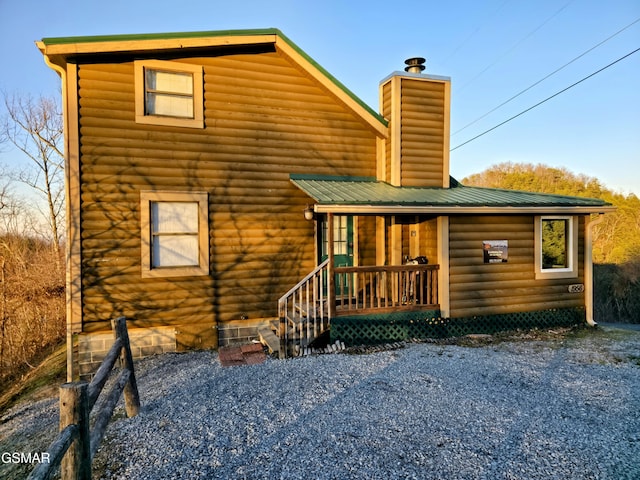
point(414, 65)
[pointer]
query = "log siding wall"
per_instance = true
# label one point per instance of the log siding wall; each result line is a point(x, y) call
point(416, 154)
point(477, 288)
point(422, 133)
point(264, 119)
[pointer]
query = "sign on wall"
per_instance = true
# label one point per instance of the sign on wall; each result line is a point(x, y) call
point(495, 251)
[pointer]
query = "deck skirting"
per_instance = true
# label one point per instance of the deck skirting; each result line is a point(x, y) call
point(399, 326)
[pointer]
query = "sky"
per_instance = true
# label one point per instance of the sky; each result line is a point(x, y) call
point(492, 50)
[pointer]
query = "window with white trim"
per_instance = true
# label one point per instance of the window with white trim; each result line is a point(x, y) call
point(174, 234)
point(556, 247)
point(169, 93)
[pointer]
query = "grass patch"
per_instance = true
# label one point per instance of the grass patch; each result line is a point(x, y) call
point(41, 382)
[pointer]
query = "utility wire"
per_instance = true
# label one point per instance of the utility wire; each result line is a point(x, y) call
point(546, 99)
point(544, 78)
point(517, 44)
point(472, 34)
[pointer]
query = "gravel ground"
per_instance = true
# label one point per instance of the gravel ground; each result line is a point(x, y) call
point(560, 408)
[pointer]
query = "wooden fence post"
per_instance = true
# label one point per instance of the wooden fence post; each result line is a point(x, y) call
point(131, 397)
point(74, 410)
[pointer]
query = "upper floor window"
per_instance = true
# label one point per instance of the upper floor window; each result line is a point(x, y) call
point(169, 93)
point(556, 243)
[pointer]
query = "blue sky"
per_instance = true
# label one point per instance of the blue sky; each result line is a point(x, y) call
point(492, 50)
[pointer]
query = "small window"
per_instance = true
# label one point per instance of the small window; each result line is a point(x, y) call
point(169, 93)
point(174, 234)
point(556, 246)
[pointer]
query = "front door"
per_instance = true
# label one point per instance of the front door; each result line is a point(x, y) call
point(342, 240)
point(342, 246)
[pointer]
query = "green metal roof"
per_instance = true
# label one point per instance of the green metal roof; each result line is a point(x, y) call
point(369, 195)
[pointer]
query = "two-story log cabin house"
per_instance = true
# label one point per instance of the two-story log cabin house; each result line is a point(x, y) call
point(223, 187)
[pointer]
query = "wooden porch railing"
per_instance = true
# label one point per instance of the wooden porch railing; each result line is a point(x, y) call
point(385, 288)
point(306, 310)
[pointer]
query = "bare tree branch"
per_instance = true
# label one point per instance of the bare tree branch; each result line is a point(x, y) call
point(35, 127)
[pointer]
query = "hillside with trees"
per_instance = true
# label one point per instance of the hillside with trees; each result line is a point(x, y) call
point(32, 273)
point(616, 249)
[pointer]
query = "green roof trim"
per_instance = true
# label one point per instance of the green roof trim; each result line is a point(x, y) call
point(366, 191)
point(216, 33)
point(330, 178)
point(158, 36)
point(337, 82)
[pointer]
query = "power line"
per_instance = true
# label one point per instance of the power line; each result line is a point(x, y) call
point(516, 45)
point(544, 78)
point(472, 34)
point(546, 99)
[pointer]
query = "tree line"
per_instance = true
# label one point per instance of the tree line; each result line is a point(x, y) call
point(616, 243)
point(32, 272)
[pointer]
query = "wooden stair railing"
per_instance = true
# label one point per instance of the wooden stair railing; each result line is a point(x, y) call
point(304, 312)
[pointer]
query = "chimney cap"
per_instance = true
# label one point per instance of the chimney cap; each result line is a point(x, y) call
point(414, 64)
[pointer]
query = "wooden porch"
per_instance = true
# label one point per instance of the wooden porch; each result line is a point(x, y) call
point(305, 312)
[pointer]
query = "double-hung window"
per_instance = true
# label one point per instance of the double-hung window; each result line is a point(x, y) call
point(556, 244)
point(169, 93)
point(174, 234)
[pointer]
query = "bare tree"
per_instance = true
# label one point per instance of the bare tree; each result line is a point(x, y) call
point(35, 127)
point(15, 216)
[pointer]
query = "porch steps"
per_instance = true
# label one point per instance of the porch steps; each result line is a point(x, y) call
point(269, 335)
point(294, 330)
point(269, 339)
point(313, 309)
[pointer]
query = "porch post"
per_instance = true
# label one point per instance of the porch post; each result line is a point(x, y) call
point(396, 259)
point(381, 241)
point(443, 261)
point(331, 280)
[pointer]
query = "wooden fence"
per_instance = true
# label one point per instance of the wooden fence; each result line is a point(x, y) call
point(76, 445)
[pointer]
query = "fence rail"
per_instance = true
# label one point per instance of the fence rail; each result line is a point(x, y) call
point(74, 448)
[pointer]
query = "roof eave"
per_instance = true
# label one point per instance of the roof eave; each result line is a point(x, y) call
point(377, 122)
point(458, 210)
point(133, 44)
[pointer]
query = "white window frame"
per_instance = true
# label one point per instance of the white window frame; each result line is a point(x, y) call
point(147, 198)
point(197, 121)
point(571, 271)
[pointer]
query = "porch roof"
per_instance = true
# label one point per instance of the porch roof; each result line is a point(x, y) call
point(367, 195)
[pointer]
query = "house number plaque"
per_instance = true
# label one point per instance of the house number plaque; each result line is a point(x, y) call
point(576, 288)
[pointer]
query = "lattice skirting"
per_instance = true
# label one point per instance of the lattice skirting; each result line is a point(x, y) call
point(394, 327)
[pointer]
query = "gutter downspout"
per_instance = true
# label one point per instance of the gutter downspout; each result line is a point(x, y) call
point(69, 328)
point(588, 268)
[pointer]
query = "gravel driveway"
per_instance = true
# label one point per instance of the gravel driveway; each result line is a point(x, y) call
point(537, 409)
